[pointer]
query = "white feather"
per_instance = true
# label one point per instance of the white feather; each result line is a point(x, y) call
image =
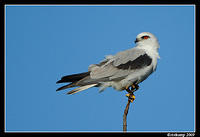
point(81, 88)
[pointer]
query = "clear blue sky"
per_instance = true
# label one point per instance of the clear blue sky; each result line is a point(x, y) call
point(44, 43)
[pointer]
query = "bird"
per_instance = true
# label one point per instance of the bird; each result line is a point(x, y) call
point(122, 71)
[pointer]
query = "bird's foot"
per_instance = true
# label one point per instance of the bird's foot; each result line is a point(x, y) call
point(131, 89)
point(131, 97)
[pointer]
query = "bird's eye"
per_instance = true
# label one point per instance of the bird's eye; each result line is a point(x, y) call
point(145, 37)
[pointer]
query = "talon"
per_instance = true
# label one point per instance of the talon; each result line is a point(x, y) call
point(128, 95)
point(131, 100)
point(131, 97)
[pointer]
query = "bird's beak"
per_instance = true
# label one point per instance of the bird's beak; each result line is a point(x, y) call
point(136, 40)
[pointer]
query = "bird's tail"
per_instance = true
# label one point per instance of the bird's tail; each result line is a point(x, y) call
point(75, 80)
point(81, 88)
point(66, 86)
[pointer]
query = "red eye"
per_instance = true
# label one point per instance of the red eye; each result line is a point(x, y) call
point(145, 37)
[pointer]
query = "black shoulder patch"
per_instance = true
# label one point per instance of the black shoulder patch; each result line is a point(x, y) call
point(140, 62)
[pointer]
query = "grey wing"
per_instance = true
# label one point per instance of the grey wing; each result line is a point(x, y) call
point(121, 65)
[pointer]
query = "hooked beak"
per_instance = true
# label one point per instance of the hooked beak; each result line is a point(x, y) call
point(136, 40)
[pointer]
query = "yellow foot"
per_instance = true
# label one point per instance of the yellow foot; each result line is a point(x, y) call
point(131, 97)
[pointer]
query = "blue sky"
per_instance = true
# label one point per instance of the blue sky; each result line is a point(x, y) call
point(44, 43)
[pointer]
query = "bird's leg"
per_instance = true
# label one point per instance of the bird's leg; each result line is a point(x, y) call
point(131, 89)
point(130, 94)
point(134, 87)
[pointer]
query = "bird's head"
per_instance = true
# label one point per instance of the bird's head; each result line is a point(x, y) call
point(146, 38)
